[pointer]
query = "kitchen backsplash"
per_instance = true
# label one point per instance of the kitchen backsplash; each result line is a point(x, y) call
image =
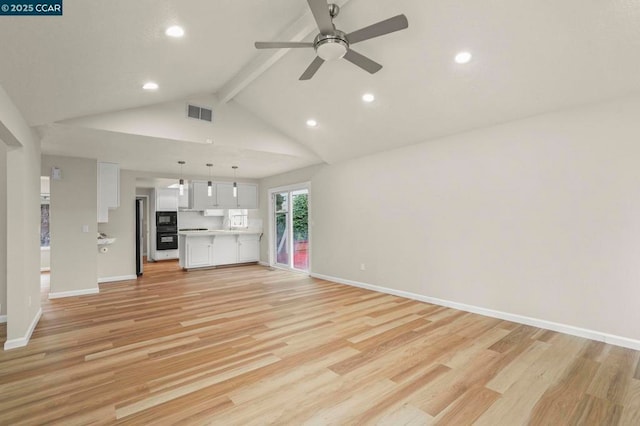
point(197, 220)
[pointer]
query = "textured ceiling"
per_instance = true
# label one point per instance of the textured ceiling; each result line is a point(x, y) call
point(78, 77)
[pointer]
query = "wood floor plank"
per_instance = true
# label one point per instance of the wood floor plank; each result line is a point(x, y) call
point(596, 411)
point(469, 407)
point(560, 402)
point(611, 381)
point(517, 402)
point(406, 415)
point(514, 370)
point(251, 345)
point(631, 406)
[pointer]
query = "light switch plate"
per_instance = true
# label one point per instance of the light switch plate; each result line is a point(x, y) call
point(56, 173)
point(85, 228)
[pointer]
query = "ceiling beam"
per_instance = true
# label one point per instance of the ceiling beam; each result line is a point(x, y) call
point(298, 31)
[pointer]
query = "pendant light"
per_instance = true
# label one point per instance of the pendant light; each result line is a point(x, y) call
point(209, 188)
point(181, 182)
point(235, 184)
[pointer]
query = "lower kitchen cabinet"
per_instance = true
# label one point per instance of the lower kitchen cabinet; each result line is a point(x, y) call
point(225, 250)
point(199, 253)
point(248, 248)
point(165, 255)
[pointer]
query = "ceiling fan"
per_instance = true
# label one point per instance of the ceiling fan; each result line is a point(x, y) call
point(331, 44)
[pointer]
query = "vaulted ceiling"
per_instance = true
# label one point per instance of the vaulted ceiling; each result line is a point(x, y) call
point(78, 78)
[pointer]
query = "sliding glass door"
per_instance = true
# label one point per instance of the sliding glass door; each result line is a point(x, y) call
point(291, 228)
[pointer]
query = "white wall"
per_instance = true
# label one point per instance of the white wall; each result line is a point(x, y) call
point(73, 204)
point(22, 237)
point(539, 218)
point(119, 262)
point(3, 230)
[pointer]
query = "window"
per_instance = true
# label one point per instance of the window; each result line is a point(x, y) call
point(238, 218)
point(44, 222)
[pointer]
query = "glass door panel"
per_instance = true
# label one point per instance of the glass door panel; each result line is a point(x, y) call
point(300, 228)
point(281, 206)
point(291, 223)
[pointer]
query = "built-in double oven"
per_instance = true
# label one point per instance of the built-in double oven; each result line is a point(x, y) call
point(166, 230)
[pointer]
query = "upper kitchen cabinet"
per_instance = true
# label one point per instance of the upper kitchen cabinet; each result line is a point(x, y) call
point(167, 199)
point(222, 196)
point(199, 198)
point(108, 189)
point(247, 196)
point(226, 200)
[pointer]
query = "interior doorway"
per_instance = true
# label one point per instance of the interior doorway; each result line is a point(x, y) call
point(142, 232)
point(289, 246)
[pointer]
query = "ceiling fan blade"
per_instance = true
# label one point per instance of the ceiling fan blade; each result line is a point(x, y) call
point(281, 44)
point(387, 26)
point(311, 69)
point(320, 10)
point(362, 61)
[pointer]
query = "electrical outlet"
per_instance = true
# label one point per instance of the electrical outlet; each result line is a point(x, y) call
point(29, 301)
point(362, 267)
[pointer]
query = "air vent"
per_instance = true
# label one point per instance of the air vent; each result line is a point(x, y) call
point(200, 113)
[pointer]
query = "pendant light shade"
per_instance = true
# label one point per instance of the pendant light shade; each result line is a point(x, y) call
point(235, 184)
point(181, 181)
point(209, 187)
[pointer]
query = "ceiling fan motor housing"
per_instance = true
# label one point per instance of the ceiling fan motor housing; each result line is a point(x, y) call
point(331, 46)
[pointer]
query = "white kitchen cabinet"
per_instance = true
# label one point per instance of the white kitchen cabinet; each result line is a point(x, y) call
point(108, 189)
point(166, 199)
point(222, 196)
point(225, 250)
point(199, 196)
point(213, 248)
point(199, 252)
point(184, 199)
point(226, 200)
point(165, 254)
point(247, 196)
point(248, 248)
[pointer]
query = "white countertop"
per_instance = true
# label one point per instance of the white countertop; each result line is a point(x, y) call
point(211, 232)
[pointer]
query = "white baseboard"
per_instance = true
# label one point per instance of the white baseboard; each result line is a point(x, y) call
point(114, 279)
point(3, 319)
point(264, 263)
point(62, 294)
point(521, 319)
point(22, 341)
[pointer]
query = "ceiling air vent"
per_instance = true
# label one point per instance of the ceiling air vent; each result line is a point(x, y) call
point(200, 113)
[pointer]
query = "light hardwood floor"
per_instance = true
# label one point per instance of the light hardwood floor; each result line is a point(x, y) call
point(249, 345)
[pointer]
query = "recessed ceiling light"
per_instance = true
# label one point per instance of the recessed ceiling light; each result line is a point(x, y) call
point(150, 86)
point(312, 123)
point(368, 97)
point(463, 57)
point(175, 31)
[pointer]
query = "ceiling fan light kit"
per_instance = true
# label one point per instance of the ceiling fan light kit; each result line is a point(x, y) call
point(332, 44)
point(331, 47)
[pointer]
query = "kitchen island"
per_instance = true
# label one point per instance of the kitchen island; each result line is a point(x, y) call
point(205, 249)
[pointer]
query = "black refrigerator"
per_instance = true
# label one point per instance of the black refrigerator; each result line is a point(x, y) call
point(139, 235)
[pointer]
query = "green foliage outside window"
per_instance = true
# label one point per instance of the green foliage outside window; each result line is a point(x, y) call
point(300, 217)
